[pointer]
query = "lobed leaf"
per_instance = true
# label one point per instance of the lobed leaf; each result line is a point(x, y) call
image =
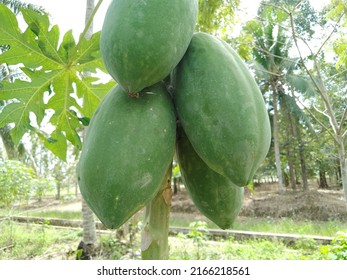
point(57, 81)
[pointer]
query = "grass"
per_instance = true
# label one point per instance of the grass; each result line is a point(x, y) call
point(28, 241)
point(73, 215)
point(284, 225)
point(245, 250)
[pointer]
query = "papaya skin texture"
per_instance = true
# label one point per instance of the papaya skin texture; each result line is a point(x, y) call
point(142, 41)
point(214, 195)
point(129, 146)
point(222, 109)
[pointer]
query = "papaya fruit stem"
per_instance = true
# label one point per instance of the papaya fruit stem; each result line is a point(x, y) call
point(155, 233)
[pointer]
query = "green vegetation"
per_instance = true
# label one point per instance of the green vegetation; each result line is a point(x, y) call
point(284, 225)
point(328, 228)
point(320, 228)
point(338, 248)
point(19, 183)
point(26, 241)
point(73, 215)
point(33, 241)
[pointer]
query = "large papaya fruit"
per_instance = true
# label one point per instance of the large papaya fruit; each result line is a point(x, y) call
point(222, 109)
point(143, 40)
point(128, 148)
point(214, 195)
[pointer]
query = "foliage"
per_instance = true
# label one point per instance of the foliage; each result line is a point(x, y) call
point(58, 93)
point(46, 242)
point(197, 233)
point(17, 5)
point(216, 15)
point(23, 242)
point(15, 180)
point(113, 248)
point(19, 182)
point(338, 248)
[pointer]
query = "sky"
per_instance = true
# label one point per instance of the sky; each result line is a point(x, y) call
point(70, 14)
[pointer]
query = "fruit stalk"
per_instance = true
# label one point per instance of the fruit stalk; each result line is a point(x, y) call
point(155, 234)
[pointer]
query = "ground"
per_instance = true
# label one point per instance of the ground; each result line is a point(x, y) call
point(264, 201)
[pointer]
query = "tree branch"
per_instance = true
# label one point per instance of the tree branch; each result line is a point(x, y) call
point(320, 87)
point(316, 119)
point(330, 35)
point(343, 119)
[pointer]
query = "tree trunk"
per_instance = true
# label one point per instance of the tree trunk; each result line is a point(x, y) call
point(276, 141)
point(343, 165)
point(89, 228)
point(155, 234)
point(292, 177)
point(9, 145)
point(302, 159)
point(323, 184)
point(89, 10)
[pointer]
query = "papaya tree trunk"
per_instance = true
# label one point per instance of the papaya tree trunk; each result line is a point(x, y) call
point(89, 228)
point(155, 234)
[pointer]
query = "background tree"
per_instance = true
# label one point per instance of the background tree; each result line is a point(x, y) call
point(335, 113)
point(217, 17)
point(265, 42)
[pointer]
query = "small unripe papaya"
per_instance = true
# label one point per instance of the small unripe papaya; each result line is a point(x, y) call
point(214, 195)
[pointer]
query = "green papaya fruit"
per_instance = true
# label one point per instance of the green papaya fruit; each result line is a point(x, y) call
point(142, 41)
point(214, 195)
point(222, 109)
point(129, 146)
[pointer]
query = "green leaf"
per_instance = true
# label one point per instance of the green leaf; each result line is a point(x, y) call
point(57, 144)
point(302, 84)
point(10, 114)
point(48, 39)
point(89, 56)
point(23, 46)
point(57, 83)
point(67, 47)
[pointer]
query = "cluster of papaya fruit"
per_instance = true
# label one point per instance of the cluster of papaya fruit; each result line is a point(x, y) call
point(210, 113)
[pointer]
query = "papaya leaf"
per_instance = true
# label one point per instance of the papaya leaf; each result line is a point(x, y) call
point(48, 39)
point(56, 143)
point(58, 91)
point(24, 47)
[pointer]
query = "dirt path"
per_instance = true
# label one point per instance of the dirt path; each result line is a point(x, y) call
point(312, 205)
